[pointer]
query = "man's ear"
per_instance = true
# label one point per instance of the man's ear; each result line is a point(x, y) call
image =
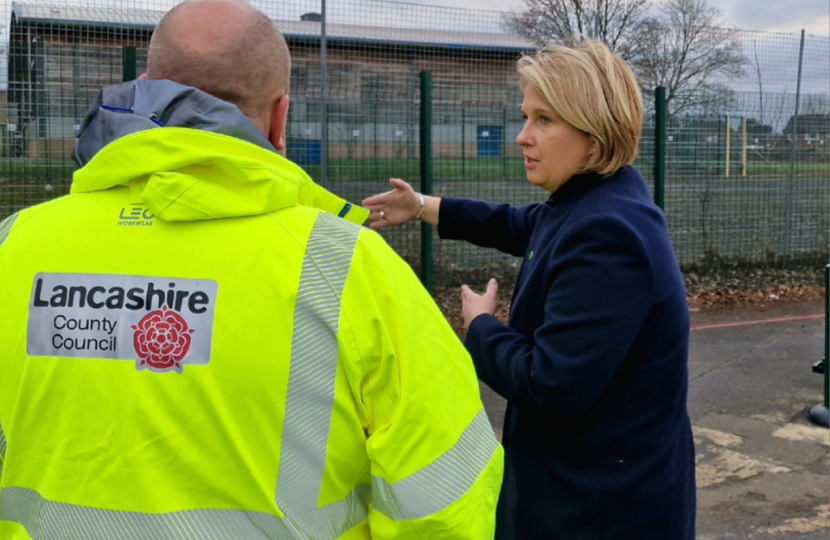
point(279, 121)
point(143, 77)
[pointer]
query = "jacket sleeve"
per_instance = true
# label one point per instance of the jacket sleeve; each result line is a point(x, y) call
point(600, 294)
point(500, 226)
point(6, 227)
point(5, 230)
point(436, 465)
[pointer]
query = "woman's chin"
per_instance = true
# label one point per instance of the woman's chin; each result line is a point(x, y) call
point(539, 183)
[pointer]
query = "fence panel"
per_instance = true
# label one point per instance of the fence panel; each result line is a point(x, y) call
point(747, 173)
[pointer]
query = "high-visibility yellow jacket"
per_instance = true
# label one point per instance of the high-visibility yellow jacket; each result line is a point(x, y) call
point(191, 348)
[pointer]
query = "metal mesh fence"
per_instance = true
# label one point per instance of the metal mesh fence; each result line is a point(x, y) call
point(747, 173)
point(747, 180)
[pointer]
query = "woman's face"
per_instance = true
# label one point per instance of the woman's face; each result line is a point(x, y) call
point(553, 149)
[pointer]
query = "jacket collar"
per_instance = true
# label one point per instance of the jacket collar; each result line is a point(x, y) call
point(576, 186)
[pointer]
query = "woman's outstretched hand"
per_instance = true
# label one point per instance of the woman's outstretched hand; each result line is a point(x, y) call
point(394, 207)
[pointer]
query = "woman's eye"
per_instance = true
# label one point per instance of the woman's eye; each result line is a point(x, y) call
point(545, 120)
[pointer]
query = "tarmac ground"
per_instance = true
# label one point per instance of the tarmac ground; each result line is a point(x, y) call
point(763, 469)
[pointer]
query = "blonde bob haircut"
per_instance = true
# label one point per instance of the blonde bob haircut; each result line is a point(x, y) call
point(593, 90)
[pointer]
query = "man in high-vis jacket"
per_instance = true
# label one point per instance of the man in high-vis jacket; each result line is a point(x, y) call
point(198, 342)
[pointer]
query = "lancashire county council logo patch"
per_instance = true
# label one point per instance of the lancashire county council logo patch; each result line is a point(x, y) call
point(161, 340)
point(158, 324)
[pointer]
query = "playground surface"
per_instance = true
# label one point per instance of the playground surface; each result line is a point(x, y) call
point(763, 469)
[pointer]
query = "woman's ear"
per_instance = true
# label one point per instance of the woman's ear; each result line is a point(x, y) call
point(593, 146)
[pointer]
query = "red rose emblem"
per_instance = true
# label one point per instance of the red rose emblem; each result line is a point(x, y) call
point(161, 340)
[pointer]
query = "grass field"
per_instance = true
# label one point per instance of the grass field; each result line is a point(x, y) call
point(502, 168)
point(15, 170)
point(766, 214)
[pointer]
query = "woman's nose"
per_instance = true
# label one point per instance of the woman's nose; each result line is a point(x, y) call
point(522, 138)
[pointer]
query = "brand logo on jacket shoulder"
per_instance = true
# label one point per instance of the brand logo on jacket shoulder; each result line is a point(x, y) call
point(160, 323)
point(135, 216)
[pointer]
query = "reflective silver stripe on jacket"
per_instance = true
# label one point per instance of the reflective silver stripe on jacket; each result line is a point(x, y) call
point(2, 448)
point(49, 520)
point(310, 401)
point(6, 227)
point(444, 481)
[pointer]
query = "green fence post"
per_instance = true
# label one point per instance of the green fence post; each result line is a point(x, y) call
point(426, 175)
point(463, 144)
point(503, 147)
point(827, 337)
point(794, 150)
point(660, 146)
point(728, 136)
point(820, 414)
point(128, 67)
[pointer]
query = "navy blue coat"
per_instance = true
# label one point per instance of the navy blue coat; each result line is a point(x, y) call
point(593, 363)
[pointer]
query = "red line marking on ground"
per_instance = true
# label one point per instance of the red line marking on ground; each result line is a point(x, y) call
point(747, 323)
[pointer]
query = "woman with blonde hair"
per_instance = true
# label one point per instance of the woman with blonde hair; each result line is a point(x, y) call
point(594, 358)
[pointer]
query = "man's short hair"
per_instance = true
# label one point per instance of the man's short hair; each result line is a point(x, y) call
point(249, 68)
point(593, 90)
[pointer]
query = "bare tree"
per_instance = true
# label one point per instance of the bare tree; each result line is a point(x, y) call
point(684, 49)
point(770, 113)
point(816, 104)
point(614, 22)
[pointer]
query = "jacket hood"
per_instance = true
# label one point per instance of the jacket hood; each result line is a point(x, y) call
point(139, 105)
point(189, 156)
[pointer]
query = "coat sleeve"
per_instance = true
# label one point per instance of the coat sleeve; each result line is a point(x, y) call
point(436, 465)
point(5, 230)
point(500, 226)
point(599, 294)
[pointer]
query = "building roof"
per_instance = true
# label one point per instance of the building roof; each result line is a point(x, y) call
point(143, 19)
point(809, 123)
point(53, 14)
point(405, 36)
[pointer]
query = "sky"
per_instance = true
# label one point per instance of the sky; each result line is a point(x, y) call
point(785, 16)
point(779, 55)
point(813, 16)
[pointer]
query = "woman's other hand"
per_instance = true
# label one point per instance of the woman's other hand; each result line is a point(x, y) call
point(473, 305)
